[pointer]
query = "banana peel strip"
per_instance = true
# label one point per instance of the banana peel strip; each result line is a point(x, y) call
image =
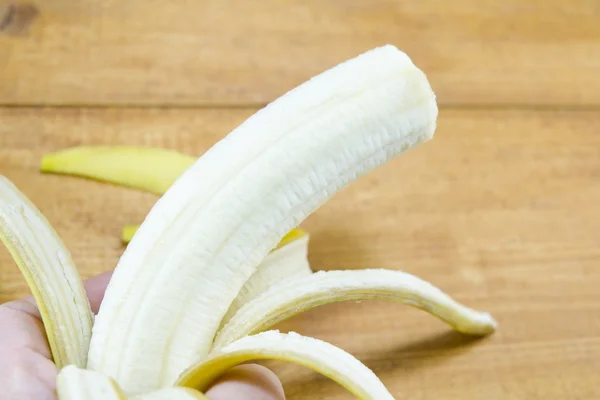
point(315, 354)
point(287, 261)
point(74, 383)
point(50, 273)
point(172, 393)
point(288, 299)
point(129, 166)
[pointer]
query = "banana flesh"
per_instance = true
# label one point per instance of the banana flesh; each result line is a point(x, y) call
point(134, 167)
point(207, 234)
point(129, 230)
point(129, 166)
point(289, 260)
point(75, 383)
point(320, 356)
point(50, 273)
point(290, 298)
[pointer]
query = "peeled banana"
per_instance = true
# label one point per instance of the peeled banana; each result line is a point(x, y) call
point(211, 266)
point(207, 234)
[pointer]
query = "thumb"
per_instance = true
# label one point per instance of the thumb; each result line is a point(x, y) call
point(248, 382)
point(95, 288)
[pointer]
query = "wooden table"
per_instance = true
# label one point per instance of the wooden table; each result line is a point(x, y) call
point(501, 210)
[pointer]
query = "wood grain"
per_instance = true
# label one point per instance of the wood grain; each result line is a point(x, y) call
point(500, 210)
point(187, 52)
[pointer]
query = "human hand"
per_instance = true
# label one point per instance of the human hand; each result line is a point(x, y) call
point(27, 372)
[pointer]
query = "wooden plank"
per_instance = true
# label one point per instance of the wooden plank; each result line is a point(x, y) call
point(500, 210)
point(239, 52)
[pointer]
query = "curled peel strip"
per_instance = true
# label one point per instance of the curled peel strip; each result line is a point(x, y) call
point(298, 295)
point(287, 261)
point(315, 354)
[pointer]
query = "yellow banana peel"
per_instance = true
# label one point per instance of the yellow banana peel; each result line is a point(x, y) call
point(50, 273)
point(315, 354)
point(145, 168)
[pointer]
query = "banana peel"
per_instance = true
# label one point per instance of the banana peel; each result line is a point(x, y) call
point(286, 299)
point(149, 169)
point(144, 168)
point(166, 321)
point(312, 353)
point(50, 273)
point(289, 260)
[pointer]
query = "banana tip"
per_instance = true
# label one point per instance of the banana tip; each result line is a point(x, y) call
point(488, 324)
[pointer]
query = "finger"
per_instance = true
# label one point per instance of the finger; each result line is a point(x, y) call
point(95, 288)
point(26, 367)
point(22, 328)
point(248, 382)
